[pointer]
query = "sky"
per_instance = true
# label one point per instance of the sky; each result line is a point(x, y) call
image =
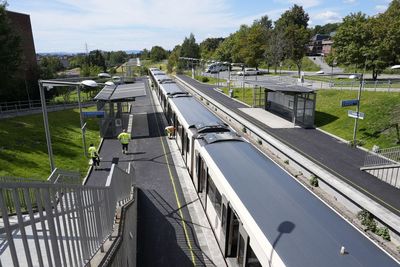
point(111, 25)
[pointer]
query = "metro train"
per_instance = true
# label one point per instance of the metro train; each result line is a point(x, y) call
point(260, 214)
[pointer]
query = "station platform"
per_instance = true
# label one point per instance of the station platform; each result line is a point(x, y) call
point(172, 227)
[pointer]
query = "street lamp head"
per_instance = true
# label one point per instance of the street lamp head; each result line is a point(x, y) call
point(104, 75)
point(89, 83)
point(109, 83)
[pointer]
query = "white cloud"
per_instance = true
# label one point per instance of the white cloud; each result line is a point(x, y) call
point(306, 3)
point(349, 1)
point(381, 8)
point(327, 16)
point(164, 22)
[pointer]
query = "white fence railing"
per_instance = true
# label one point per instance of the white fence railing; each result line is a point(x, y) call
point(58, 224)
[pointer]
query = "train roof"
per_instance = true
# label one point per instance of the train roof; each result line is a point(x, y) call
point(193, 113)
point(301, 228)
point(171, 89)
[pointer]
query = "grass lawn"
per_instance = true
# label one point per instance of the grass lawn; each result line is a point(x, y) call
point(23, 149)
point(382, 114)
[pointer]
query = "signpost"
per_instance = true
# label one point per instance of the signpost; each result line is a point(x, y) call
point(93, 114)
point(355, 114)
point(350, 102)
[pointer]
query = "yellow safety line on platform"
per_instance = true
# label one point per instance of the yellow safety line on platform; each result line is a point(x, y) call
point(172, 178)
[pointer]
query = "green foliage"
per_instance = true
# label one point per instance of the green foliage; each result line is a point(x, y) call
point(174, 64)
point(369, 42)
point(325, 29)
point(367, 219)
point(205, 79)
point(383, 232)
point(314, 181)
point(87, 70)
point(293, 23)
point(96, 58)
point(49, 66)
point(286, 161)
point(158, 53)
point(208, 47)
point(190, 48)
point(115, 58)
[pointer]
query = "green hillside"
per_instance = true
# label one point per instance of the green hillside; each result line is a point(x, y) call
point(382, 116)
point(23, 150)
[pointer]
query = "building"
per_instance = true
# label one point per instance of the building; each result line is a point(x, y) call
point(315, 45)
point(21, 24)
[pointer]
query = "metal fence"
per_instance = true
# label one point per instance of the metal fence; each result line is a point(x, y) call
point(380, 157)
point(58, 224)
point(23, 106)
point(384, 164)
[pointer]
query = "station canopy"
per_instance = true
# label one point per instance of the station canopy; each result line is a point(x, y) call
point(281, 87)
point(121, 92)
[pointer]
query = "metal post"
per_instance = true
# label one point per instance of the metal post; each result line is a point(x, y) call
point(358, 110)
point(81, 119)
point(46, 127)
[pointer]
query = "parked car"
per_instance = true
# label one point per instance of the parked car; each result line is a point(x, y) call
point(248, 72)
point(216, 67)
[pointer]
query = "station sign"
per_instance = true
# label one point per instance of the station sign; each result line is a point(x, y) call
point(93, 114)
point(350, 102)
point(355, 114)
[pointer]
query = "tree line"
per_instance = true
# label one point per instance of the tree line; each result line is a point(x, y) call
point(365, 42)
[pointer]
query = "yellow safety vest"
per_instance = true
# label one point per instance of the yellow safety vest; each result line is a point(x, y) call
point(124, 138)
point(92, 151)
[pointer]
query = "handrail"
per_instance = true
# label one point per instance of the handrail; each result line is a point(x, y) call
point(58, 223)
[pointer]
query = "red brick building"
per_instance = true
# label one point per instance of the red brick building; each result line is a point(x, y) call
point(21, 23)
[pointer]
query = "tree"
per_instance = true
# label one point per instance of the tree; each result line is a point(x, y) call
point(190, 48)
point(325, 29)
point(96, 58)
point(117, 57)
point(158, 53)
point(173, 60)
point(10, 57)
point(275, 49)
point(293, 23)
point(49, 66)
point(224, 51)
point(208, 47)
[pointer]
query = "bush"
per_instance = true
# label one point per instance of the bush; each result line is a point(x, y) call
point(383, 232)
point(367, 219)
point(286, 161)
point(314, 181)
point(205, 79)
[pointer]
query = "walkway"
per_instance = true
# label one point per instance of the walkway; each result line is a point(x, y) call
point(168, 230)
point(328, 152)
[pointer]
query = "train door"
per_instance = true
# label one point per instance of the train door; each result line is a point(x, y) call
point(187, 149)
point(183, 143)
point(224, 224)
point(203, 173)
point(232, 233)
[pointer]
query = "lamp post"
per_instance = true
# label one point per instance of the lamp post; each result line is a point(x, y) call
point(50, 84)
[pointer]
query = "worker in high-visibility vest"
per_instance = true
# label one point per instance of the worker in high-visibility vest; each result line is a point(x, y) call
point(94, 155)
point(124, 138)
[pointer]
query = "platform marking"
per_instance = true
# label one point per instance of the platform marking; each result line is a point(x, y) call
point(172, 178)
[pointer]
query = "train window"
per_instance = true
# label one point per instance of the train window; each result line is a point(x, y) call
point(251, 258)
point(214, 195)
point(240, 256)
point(223, 220)
point(187, 145)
